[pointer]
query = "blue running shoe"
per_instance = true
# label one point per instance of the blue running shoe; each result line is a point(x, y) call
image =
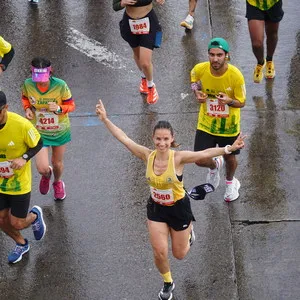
point(16, 255)
point(38, 226)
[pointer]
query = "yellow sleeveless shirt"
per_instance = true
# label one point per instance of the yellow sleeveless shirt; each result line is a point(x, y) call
point(165, 189)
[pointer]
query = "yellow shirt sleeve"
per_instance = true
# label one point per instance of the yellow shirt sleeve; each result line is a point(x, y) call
point(5, 47)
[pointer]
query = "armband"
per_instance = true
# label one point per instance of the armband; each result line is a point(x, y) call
point(226, 149)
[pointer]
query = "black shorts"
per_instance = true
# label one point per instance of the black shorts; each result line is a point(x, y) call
point(177, 216)
point(143, 40)
point(204, 140)
point(18, 204)
point(274, 14)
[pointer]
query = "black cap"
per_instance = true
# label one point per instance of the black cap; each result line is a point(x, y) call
point(199, 192)
point(2, 99)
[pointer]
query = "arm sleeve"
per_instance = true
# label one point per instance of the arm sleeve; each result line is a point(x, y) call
point(68, 104)
point(117, 5)
point(25, 102)
point(31, 152)
point(7, 59)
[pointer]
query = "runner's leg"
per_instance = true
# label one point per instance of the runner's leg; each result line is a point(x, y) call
point(57, 160)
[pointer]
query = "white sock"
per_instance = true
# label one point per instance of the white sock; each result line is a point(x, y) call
point(150, 83)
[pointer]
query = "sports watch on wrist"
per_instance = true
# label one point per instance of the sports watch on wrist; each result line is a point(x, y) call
point(25, 156)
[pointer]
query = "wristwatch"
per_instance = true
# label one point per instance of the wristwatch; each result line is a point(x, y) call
point(25, 156)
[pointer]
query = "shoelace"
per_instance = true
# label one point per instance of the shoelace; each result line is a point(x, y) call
point(167, 288)
point(18, 249)
point(258, 69)
point(45, 179)
point(229, 188)
point(59, 187)
point(36, 226)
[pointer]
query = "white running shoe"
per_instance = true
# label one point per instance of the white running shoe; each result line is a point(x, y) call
point(213, 176)
point(188, 22)
point(232, 190)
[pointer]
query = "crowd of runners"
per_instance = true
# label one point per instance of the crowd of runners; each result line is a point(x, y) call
point(218, 86)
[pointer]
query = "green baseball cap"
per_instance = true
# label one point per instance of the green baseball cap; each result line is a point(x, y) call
point(218, 43)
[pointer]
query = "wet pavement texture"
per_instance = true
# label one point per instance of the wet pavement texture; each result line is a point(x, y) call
point(96, 246)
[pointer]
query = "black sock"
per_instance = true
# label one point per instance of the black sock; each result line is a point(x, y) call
point(269, 58)
point(261, 63)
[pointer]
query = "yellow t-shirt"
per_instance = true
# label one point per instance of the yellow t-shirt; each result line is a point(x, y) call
point(5, 47)
point(165, 189)
point(262, 4)
point(215, 119)
point(17, 135)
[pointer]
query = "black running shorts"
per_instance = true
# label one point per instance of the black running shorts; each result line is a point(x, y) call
point(18, 204)
point(274, 14)
point(177, 216)
point(142, 40)
point(204, 140)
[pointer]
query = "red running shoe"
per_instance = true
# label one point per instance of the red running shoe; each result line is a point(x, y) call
point(59, 190)
point(152, 96)
point(45, 183)
point(144, 86)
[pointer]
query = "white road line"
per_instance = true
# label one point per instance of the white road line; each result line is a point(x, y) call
point(94, 49)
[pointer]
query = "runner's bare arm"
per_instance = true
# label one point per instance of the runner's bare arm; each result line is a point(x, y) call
point(136, 149)
point(193, 156)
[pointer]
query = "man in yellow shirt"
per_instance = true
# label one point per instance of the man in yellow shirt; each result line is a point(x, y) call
point(220, 89)
point(6, 53)
point(19, 142)
point(264, 17)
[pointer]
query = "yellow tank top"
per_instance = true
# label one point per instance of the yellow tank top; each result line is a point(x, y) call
point(165, 189)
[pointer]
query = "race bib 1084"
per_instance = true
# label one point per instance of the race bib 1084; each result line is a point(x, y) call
point(141, 26)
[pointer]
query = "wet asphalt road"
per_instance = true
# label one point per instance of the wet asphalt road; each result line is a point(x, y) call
point(96, 246)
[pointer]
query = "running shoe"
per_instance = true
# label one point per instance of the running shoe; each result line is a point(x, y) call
point(270, 70)
point(45, 183)
point(38, 226)
point(258, 73)
point(34, 1)
point(59, 190)
point(192, 236)
point(152, 96)
point(188, 22)
point(166, 291)
point(144, 86)
point(232, 190)
point(213, 176)
point(17, 254)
